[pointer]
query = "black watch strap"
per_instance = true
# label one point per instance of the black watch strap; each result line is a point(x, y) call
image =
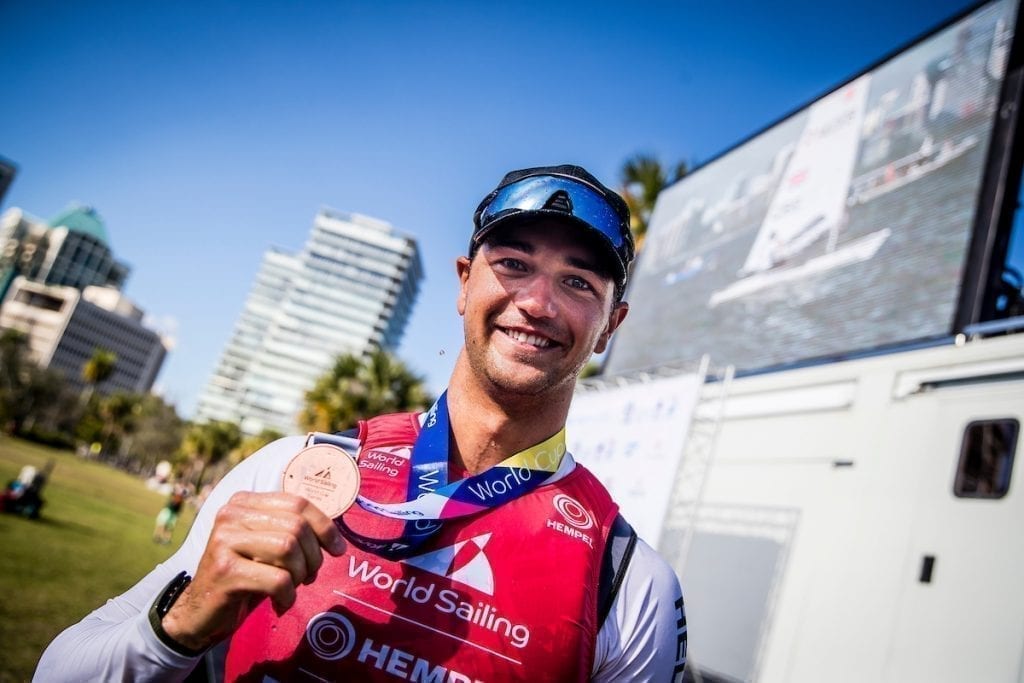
point(162, 605)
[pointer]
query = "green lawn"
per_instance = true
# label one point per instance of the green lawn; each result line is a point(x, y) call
point(92, 542)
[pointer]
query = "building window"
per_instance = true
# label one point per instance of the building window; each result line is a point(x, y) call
point(38, 300)
point(986, 459)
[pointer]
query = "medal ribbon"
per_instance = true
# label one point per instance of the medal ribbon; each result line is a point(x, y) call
point(426, 506)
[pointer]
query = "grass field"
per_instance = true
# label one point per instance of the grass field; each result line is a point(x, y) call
point(92, 542)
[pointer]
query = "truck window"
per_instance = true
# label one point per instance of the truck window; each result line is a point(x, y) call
point(986, 459)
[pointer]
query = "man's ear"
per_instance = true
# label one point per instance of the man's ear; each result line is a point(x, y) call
point(615, 319)
point(462, 268)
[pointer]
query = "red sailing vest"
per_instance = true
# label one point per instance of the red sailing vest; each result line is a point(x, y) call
point(507, 594)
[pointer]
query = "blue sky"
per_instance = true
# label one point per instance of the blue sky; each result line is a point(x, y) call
point(205, 133)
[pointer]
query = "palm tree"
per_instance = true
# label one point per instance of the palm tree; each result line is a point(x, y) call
point(643, 179)
point(96, 370)
point(207, 443)
point(119, 413)
point(360, 387)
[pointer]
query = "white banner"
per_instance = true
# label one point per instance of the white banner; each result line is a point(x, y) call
point(632, 439)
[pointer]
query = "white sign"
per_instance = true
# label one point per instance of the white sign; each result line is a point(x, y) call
point(632, 439)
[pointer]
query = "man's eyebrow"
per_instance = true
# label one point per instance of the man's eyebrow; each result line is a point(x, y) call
point(591, 265)
point(585, 264)
point(526, 247)
point(510, 243)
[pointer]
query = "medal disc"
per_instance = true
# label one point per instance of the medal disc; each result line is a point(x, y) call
point(324, 475)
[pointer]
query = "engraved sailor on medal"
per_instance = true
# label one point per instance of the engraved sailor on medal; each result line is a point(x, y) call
point(325, 475)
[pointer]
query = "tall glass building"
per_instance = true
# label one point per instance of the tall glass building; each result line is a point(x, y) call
point(350, 289)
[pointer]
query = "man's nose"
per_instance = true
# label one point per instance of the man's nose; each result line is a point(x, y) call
point(536, 297)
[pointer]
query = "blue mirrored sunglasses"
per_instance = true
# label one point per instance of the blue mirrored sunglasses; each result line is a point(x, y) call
point(585, 203)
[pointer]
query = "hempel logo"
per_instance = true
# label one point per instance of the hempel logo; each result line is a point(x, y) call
point(576, 515)
point(332, 637)
point(573, 512)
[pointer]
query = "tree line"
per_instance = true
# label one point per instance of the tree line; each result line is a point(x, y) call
point(134, 432)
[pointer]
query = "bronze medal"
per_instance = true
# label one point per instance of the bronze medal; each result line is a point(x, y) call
point(324, 475)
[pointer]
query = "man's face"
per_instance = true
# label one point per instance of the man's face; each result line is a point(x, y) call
point(535, 307)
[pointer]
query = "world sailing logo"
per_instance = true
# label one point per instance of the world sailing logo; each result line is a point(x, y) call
point(464, 562)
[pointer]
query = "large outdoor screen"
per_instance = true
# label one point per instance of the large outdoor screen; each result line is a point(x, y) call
point(842, 228)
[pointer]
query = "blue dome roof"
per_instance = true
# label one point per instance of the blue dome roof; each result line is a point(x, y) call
point(82, 219)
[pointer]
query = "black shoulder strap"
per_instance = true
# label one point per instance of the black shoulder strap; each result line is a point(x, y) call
point(617, 552)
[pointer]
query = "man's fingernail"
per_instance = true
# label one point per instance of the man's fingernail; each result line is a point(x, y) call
point(338, 545)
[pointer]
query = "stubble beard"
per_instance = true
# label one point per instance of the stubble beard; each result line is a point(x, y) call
point(499, 376)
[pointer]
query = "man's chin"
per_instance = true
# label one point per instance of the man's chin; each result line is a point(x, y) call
point(519, 387)
point(522, 382)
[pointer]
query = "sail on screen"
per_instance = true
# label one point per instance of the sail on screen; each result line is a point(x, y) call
point(843, 228)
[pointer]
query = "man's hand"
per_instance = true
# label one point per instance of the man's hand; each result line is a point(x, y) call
point(262, 544)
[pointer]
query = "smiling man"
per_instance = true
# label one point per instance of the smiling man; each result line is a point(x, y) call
point(478, 550)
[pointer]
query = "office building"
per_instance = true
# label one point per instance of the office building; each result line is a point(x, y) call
point(65, 326)
point(351, 288)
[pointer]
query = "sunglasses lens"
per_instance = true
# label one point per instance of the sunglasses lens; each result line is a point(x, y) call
point(539, 193)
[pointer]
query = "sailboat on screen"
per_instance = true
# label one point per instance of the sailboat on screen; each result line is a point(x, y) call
point(810, 203)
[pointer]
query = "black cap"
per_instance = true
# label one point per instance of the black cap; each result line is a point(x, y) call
point(601, 210)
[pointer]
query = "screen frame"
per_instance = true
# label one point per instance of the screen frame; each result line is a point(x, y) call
point(989, 235)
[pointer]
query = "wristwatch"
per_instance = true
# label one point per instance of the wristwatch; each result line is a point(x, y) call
point(162, 605)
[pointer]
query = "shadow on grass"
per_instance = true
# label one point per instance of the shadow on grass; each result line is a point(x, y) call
point(61, 524)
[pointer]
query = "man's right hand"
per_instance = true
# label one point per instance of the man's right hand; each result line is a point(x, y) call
point(262, 544)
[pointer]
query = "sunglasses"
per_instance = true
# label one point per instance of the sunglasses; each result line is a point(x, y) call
point(560, 194)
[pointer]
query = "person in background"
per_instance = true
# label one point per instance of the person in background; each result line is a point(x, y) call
point(167, 518)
